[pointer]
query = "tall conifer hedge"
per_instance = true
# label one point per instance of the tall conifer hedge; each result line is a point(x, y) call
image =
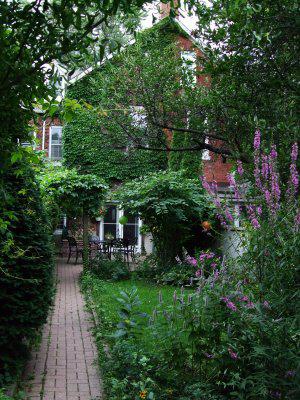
point(26, 280)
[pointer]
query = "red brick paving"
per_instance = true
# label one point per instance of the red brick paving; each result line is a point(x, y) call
point(65, 366)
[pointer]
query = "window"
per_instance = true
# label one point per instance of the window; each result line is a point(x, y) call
point(205, 153)
point(139, 118)
point(55, 148)
point(189, 65)
point(110, 223)
point(131, 228)
point(110, 226)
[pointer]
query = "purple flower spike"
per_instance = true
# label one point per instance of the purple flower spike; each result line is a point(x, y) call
point(273, 152)
point(294, 153)
point(266, 304)
point(240, 169)
point(198, 273)
point(232, 354)
point(256, 143)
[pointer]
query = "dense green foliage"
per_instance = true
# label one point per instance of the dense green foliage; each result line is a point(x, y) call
point(26, 268)
point(114, 270)
point(32, 35)
point(129, 101)
point(170, 204)
point(71, 191)
point(251, 49)
point(237, 335)
point(87, 149)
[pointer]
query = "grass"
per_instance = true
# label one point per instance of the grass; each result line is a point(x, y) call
point(104, 295)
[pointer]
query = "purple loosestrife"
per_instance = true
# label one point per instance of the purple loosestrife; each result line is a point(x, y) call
point(256, 145)
point(275, 186)
point(240, 169)
point(233, 184)
point(266, 305)
point(229, 303)
point(265, 167)
point(252, 217)
point(191, 260)
point(273, 152)
point(232, 354)
point(294, 176)
point(198, 273)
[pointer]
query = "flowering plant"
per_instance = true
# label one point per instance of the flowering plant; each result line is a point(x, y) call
point(206, 262)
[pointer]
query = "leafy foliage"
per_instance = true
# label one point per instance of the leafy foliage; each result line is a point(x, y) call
point(25, 267)
point(129, 102)
point(168, 203)
point(73, 192)
point(115, 270)
point(250, 49)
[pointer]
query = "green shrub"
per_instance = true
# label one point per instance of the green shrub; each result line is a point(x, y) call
point(26, 280)
point(170, 204)
point(115, 270)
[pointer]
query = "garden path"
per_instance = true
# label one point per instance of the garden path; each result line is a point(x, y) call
point(64, 367)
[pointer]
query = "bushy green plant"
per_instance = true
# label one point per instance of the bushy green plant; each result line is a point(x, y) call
point(26, 268)
point(115, 270)
point(168, 202)
point(236, 336)
point(3, 396)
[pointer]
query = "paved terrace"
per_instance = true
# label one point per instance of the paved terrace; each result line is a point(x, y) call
point(65, 366)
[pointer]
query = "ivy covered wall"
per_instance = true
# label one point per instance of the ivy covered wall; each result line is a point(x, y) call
point(87, 144)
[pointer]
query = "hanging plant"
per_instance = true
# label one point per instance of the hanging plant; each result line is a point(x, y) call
point(123, 220)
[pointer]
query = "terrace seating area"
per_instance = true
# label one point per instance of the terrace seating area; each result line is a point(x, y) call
point(73, 248)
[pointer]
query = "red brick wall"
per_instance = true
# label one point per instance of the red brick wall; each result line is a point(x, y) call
point(214, 169)
point(48, 122)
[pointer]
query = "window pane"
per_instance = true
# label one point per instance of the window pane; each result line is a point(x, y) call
point(130, 232)
point(110, 229)
point(56, 134)
point(111, 215)
point(132, 219)
point(56, 151)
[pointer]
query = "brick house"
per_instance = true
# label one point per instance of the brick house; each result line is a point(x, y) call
point(215, 167)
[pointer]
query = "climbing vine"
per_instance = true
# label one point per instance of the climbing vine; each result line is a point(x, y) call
point(108, 137)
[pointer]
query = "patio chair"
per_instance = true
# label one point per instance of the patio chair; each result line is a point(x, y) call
point(74, 247)
point(125, 247)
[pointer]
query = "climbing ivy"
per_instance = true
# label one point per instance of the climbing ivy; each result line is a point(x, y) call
point(102, 137)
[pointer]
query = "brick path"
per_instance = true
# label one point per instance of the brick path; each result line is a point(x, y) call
point(64, 368)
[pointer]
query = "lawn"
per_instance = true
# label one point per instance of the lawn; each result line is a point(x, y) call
point(104, 295)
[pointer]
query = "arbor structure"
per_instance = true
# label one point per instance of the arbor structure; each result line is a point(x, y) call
point(75, 194)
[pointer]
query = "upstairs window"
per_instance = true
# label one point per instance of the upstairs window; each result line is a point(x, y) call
point(55, 146)
point(205, 153)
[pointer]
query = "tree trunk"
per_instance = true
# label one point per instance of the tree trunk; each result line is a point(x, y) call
point(85, 255)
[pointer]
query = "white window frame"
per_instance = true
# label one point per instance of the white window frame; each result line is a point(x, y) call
point(119, 230)
point(50, 142)
point(205, 153)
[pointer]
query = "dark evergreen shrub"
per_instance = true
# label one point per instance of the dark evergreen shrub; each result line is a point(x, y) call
point(26, 279)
